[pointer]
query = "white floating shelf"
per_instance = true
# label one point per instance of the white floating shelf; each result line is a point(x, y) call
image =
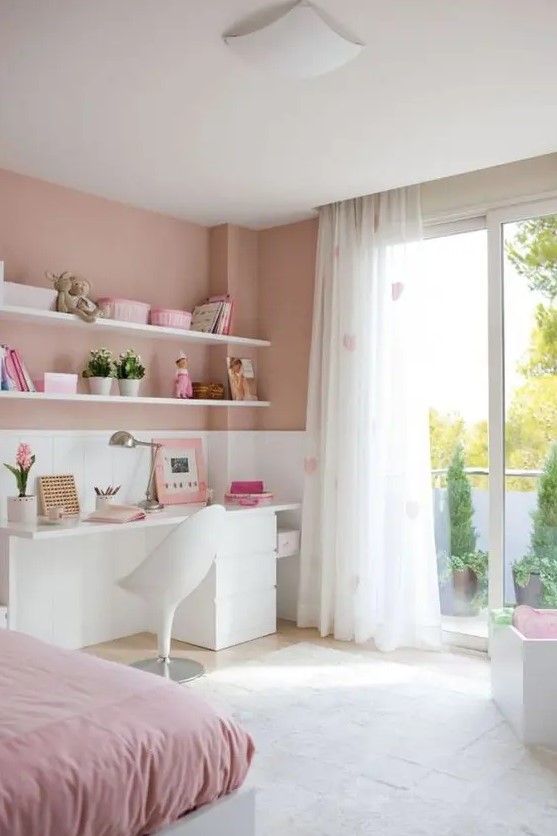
point(118, 399)
point(12, 313)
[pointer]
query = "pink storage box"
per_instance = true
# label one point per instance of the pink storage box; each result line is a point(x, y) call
point(247, 487)
point(126, 310)
point(56, 382)
point(250, 499)
point(168, 318)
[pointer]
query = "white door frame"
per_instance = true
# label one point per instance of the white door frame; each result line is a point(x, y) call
point(496, 339)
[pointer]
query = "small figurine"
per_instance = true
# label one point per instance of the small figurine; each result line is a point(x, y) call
point(182, 384)
point(72, 296)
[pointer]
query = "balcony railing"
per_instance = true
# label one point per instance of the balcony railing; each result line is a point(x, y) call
point(484, 471)
point(519, 507)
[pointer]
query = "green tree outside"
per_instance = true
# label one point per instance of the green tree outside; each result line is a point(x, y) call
point(461, 508)
point(533, 254)
point(531, 423)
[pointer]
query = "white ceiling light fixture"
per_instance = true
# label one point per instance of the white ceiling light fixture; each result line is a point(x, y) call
point(299, 44)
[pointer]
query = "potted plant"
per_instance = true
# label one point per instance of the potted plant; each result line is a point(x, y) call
point(535, 576)
point(467, 574)
point(130, 372)
point(528, 587)
point(100, 371)
point(465, 565)
point(22, 508)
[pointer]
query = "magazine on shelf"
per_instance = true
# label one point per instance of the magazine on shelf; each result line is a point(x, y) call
point(241, 377)
point(205, 317)
point(213, 316)
point(117, 514)
point(14, 376)
point(225, 317)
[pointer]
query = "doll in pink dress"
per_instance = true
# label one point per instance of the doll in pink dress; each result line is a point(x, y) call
point(182, 384)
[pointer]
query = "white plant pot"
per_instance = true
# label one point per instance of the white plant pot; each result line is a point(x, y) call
point(100, 385)
point(22, 509)
point(129, 388)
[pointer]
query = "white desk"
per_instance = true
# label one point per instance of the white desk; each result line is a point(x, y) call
point(60, 582)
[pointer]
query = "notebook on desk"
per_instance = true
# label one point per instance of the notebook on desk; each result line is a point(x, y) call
point(117, 514)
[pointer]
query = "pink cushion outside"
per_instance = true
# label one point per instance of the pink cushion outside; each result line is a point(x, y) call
point(535, 624)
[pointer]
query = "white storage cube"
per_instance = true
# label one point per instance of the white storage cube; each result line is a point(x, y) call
point(524, 684)
point(27, 296)
point(288, 542)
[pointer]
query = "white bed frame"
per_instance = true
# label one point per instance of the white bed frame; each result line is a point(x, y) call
point(233, 815)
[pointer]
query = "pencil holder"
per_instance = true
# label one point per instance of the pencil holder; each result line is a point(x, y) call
point(102, 501)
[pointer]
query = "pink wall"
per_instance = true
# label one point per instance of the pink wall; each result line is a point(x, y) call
point(136, 254)
point(142, 255)
point(233, 269)
point(286, 279)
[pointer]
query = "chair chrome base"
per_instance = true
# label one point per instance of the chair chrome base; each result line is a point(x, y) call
point(177, 670)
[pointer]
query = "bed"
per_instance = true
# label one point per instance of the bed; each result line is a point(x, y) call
point(92, 748)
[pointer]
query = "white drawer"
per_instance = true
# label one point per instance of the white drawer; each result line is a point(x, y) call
point(245, 572)
point(246, 534)
point(242, 618)
point(288, 542)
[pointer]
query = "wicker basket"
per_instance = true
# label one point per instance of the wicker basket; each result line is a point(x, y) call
point(208, 391)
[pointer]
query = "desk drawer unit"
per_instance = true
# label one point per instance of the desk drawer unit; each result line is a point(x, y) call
point(237, 600)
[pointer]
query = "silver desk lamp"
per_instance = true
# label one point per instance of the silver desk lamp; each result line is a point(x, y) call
point(126, 439)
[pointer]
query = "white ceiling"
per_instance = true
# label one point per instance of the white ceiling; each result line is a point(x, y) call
point(140, 101)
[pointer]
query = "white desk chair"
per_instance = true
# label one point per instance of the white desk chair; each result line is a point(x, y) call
point(168, 575)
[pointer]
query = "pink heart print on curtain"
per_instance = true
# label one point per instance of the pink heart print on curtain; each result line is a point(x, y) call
point(310, 465)
point(396, 290)
point(349, 342)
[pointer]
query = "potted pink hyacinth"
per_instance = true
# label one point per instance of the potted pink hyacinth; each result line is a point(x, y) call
point(22, 508)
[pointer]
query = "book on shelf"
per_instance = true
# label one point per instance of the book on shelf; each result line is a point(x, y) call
point(214, 316)
point(205, 316)
point(14, 375)
point(117, 514)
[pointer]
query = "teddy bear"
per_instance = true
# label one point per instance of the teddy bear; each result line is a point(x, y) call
point(72, 296)
point(84, 306)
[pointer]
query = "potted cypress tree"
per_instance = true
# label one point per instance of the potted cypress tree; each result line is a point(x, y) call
point(464, 566)
point(535, 576)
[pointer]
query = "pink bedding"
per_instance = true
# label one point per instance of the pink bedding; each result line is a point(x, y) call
point(535, 624)
point(91, 748)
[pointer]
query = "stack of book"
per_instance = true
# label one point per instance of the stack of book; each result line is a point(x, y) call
point(14, 375)
point(213, 316)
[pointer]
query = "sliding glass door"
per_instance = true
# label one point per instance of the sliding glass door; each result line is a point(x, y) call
point(522, 252)
point(455, 383)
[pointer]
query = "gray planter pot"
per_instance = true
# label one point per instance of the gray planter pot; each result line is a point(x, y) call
point(532, 593)
point(465, 586)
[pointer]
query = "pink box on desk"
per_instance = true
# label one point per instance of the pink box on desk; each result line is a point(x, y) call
point(251, 499)
point(57, 383)
point(246, 487)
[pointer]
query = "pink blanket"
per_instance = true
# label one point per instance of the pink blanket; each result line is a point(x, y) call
point(535, 624)
point(91, 748)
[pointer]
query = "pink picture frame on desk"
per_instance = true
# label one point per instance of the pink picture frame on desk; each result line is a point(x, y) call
point(180, 472)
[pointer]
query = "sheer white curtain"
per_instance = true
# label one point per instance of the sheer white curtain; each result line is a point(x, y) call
point(368, 563)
